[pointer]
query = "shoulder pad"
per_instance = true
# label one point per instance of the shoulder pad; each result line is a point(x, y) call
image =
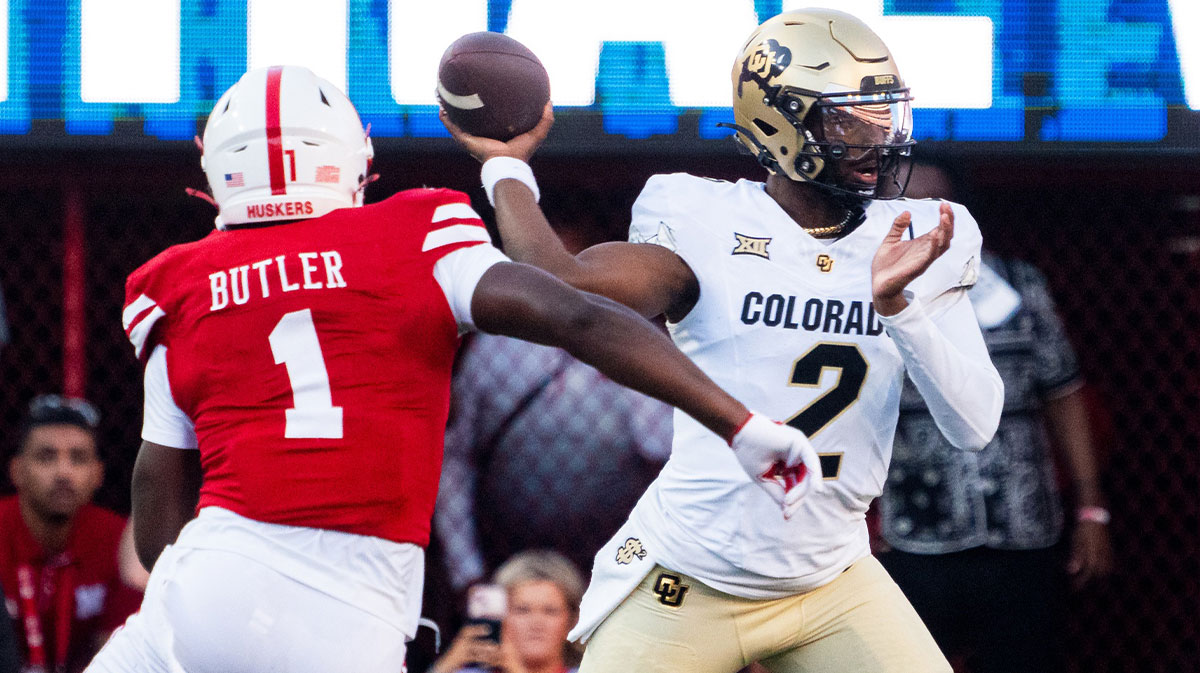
point(146, 289)
point(446, 218)
point(958, 266)
point(661, 211)
point(422, 210)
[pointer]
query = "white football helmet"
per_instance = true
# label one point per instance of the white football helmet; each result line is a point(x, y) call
point(284, 144)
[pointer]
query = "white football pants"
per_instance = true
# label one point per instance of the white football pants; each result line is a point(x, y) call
point(211, 611)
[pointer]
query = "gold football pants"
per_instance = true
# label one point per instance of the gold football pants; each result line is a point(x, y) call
point(858, 623)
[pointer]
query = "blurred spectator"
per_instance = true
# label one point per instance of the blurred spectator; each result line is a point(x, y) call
point(542, 451)
point(58, 552)
point(975, 536)
point(543, 590)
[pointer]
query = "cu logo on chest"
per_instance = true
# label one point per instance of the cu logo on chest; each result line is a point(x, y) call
point(824, 263)
point(670, 590)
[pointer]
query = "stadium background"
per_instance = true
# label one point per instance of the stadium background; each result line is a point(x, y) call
point(1113, 222)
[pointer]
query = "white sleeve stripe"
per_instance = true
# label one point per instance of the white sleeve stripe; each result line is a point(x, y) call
point(142, 331)
point(452, 211)
point(458, 273)
point(455, 233)
point(135, 307)
point(163, 422)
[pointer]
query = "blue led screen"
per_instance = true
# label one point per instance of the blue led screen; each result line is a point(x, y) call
point(1070, 71)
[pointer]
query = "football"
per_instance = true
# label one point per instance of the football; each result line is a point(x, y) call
point(492, 86)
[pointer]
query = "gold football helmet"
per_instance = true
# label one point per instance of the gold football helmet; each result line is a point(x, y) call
point(817, 97)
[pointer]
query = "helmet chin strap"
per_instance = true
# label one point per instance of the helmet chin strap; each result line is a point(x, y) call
point(362, 184)
point(202, 195)
point(761, 154)
point(199, 193)
point(853, 197)
point(852, 203)
point(848, 198)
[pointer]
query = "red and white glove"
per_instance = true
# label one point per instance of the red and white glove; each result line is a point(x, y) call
point(780, 459)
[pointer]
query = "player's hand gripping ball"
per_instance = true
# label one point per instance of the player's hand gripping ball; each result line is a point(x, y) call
point(492, 86)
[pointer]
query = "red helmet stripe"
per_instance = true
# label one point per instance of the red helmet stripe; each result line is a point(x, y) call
point(274, 142)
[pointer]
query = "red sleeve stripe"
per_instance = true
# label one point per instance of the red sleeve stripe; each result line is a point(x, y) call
point(134, 309)
point(274, 142)
point(455, 211)
point(141, 330)
point(456, 233)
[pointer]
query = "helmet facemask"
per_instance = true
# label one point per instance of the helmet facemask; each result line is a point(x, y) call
point(863, 141)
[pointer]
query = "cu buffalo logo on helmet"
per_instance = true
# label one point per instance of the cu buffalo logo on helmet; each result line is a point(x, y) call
point(765, 63)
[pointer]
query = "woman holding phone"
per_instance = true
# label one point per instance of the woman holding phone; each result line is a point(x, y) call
point(542, 589)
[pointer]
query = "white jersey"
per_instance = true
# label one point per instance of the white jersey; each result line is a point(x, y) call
point(784, 323)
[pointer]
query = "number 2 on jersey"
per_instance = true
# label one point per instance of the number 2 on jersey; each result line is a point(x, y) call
point(852, 368)
point(294, 344)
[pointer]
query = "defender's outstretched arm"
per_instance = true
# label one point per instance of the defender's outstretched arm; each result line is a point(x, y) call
point(519, 301)
point(523, 302)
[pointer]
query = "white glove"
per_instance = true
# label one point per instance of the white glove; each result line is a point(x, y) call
point(780, 459)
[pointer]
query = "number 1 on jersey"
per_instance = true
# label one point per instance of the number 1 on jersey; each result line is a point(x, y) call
point(294, 344)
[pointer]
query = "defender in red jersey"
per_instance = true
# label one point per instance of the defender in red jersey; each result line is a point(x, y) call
point(327, 350)
point(305, 349)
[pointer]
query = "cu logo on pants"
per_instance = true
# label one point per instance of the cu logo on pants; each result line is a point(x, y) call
point(670, 590)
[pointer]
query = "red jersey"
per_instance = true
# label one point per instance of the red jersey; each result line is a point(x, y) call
point(314, 360)
point(78, 594)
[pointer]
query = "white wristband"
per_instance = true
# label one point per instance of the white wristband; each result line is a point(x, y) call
point(507, 168)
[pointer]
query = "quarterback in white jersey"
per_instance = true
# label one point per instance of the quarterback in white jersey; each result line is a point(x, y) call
point(809, 296)
point(786, 320)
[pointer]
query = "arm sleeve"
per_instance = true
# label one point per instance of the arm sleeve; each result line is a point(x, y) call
point(459, 272)
point(163, 422)
point(947, 359)
point(454, 517)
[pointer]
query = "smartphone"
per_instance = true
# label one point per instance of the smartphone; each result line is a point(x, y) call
point(486, 604)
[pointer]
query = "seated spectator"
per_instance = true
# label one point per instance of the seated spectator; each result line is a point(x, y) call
point(543, 590)
point(58, 552)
